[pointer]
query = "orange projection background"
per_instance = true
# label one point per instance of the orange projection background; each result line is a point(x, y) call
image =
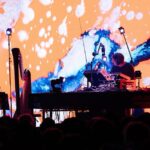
point(44, 30)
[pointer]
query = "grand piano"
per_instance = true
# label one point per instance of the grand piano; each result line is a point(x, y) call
point(90, 100)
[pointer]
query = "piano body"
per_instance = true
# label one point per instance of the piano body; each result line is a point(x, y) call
point(91, 100)
point(119, 95)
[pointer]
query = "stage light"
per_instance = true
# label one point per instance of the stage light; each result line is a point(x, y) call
point(121, 29)
point(9, 31)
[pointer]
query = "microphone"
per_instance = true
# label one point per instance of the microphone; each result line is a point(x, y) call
point(104, 58)
point(103, 50)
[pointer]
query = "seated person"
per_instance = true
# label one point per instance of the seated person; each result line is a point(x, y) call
point(120, 66)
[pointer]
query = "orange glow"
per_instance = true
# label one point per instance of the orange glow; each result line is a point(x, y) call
point(43, 44)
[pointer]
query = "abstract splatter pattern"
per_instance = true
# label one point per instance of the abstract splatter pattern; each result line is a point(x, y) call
point(57, 38)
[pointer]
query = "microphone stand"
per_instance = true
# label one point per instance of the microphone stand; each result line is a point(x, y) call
point(8, 32)
point(91, 79)
point(94, 54)
point(122, 31)
point(84, 50)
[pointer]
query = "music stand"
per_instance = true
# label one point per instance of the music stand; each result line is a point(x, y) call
point(4, 102)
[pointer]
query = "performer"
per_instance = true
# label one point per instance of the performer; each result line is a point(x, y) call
point(120, 66)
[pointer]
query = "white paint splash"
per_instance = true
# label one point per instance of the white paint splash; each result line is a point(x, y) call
point(146, 82)
point(139, 16)
point(28, 15)
point(23, 35)
point(49, 28)
point(48, 14)
point(41, 20)
point(134, 40)
point(63, 40)
point(54, 18)
point(42, 32)
point(80, 9)
point(47, 44)
point(37, 68)
point(75, 58)
point(69, 9)
point(124, 4)
point(123, 12)
point(105, 5)
point(41, 52)
point(51, 40)
point(111, 22)
point(62, 29)
point(8, 20)
point(5, 44)
point(42, 44)
point(130, 15)
point(46, 2)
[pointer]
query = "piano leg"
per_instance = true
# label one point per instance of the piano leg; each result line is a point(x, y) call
point(47, 113)
point(4, 112)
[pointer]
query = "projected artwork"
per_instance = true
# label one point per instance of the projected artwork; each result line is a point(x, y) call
point(57, 38)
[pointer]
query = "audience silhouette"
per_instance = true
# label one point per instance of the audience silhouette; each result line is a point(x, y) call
point(93, 133)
